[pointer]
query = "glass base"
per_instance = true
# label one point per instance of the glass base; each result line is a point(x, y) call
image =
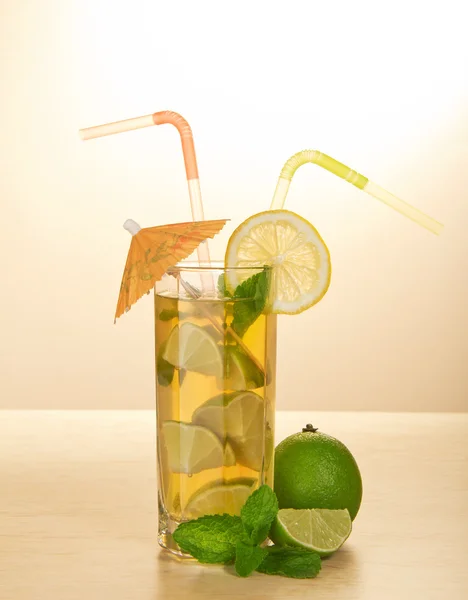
point(166, 541)
point(167, 526)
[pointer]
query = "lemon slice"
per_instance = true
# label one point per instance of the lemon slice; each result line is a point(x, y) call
point(298, 256)
point(193, 348)
point(239, 417)
point(220, 497)
point(191, 448)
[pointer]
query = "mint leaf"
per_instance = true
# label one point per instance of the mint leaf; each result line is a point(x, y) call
point(290, 562)
point(165, 372)
point(258, 513)
point(248, 558)
point(251, 298)
point(164, 369)
point(210, 539)
point(167, 314)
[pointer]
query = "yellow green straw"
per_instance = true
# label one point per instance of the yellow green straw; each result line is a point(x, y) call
point(353, 177)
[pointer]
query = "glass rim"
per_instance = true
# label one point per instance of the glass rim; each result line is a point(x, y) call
point(214, 265)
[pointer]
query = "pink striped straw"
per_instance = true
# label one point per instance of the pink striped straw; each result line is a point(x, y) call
point(190, 160)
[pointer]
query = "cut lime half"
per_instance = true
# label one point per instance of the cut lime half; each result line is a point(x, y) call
point(318, 529)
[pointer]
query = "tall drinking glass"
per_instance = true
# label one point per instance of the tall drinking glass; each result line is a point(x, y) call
point(215, 392)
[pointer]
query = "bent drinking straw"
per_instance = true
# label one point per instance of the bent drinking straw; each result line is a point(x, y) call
point(196, 203)
point(190, 160)
point(353, 177)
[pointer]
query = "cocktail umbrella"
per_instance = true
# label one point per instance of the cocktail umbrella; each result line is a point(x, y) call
point(153, 250)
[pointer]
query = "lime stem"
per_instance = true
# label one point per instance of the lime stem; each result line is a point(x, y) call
point(309, 428)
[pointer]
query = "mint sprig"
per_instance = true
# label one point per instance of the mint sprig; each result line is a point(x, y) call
point(290, 562)
point(210, 539)
point(248, 558)
point(227, 539)
point(251, 297)
point(258, 514)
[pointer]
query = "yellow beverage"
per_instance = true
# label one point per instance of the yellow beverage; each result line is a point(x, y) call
point(215, 390)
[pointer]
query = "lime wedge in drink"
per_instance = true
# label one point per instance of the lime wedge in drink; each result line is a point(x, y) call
point(240, 372)
point(191, 448)
point(318, 529)
point(219, 497)
point(192, 348)
point(239, 417)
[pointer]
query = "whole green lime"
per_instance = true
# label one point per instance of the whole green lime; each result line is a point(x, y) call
point(315, 470)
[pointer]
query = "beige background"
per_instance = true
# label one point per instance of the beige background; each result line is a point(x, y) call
point(383, 91)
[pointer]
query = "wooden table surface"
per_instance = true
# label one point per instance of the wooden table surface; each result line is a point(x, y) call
point(78, 512)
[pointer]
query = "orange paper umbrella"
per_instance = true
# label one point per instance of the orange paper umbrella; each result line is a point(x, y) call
point(153, 250)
